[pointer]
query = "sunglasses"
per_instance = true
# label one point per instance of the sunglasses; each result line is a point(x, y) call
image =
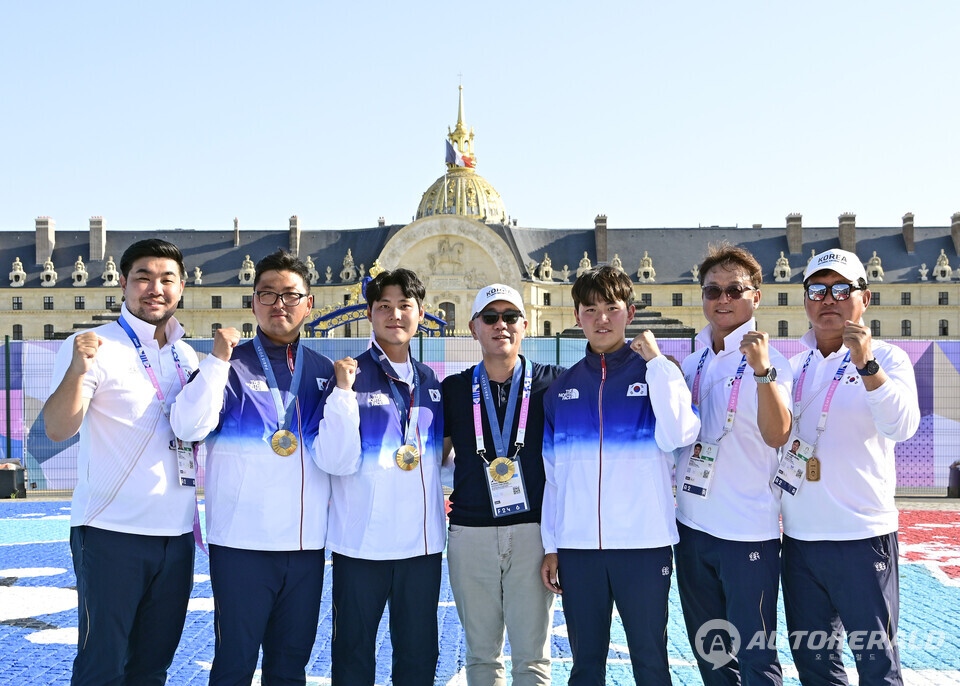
point(734, 292)
point(840, 291)
point(489, 317)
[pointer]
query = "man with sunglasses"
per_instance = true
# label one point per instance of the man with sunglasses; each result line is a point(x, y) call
point(728, 516)
point(493, 414)
point(257, 406)
point(853, 399)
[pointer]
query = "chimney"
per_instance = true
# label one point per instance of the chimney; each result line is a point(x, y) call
point(46, 235)
point(795, 233)
point(600, 235)
point(848, 232)
point(381, 222)
point(295, 235)
point(98, 239)
point(955, 231)
point(908, 232)
point(236, 232)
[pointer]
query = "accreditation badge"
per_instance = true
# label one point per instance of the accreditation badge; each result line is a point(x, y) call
point(509, 496)
point(186, 462)
point(794, 465)
point(700, 468)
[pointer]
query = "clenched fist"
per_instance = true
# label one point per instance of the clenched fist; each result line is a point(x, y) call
point(85, 348)
point(224, 341)
point(646, 345)
point(756, 346)
point(346, 371)
point(858, 340)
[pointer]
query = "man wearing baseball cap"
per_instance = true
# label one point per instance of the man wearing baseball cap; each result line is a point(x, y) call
point(493, 415)
point(853, 399)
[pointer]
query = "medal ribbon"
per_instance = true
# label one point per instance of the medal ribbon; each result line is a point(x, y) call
point(481, 382)
point(410, 429)
point(282, 408)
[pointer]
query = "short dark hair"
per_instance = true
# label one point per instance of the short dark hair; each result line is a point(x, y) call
point(731, 256)
point(606, 282)
point(282, 261)
point(409, 283)
point(152, 247)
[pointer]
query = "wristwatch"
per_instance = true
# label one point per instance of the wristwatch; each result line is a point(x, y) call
point(769, 375)
point(872, 368)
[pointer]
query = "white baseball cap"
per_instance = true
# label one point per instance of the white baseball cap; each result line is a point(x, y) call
point(494, 292)
point(844, 263)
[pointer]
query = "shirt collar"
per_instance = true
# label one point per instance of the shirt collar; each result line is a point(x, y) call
point(275, 349)
point(146, 331)
point(616, 357)
point(731, 342)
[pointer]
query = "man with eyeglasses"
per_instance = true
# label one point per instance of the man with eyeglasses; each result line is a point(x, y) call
point(728, 516)
point(853, 399)
point(257, 405)
point(493, 414)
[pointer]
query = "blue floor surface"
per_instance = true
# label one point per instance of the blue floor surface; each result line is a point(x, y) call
point(38, 618)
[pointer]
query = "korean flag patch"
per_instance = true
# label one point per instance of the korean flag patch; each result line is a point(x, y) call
point(851, 380)
point(729, 382)
point(636, 389)
point(435, 395)
point(322, 384)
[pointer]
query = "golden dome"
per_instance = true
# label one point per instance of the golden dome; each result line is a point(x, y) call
point(461, 190)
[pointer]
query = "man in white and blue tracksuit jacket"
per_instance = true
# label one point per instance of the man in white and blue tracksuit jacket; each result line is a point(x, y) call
point(608, 519)
point(266, 503)
point(381, 439)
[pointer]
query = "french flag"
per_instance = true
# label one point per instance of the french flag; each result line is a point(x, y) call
point(459, 159)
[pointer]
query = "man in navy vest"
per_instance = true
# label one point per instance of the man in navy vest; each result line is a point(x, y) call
point(256, 406)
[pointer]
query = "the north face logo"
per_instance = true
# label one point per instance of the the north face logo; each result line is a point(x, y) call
point(257, 385)
point(880, 566)
point(570, 394)
point(754, 556)
point(665, 571)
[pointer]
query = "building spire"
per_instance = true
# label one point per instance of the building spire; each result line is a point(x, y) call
point(460, 137)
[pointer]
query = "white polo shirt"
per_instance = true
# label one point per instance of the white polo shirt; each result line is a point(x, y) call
point(854, 498)
point(127, 476)
point(741, 504)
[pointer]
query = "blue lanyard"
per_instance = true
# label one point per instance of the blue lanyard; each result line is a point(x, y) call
point(125, 325)
point(410, 428)
point(282, 408)
point(501, 435)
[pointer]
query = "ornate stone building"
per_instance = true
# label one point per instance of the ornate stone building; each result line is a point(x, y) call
point(461, 239)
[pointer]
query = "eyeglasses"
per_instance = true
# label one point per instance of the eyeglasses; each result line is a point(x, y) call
point(490, 317)
point(840, 291)
point(289, 299)
point(734, 292)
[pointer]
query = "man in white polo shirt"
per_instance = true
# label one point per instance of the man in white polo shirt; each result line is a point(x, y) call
point(132, 516)
point(728, 515)
point(853, 399)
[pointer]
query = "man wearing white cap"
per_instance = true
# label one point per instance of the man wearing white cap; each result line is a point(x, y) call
point(853, 399)
point(493, 414)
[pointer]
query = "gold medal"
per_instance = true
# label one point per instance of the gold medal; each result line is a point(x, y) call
point(283, 442)
point(502, 469)
point(408, 457)
point(813, 469)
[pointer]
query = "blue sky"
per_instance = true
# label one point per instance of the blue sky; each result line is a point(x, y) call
point(176, 114)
